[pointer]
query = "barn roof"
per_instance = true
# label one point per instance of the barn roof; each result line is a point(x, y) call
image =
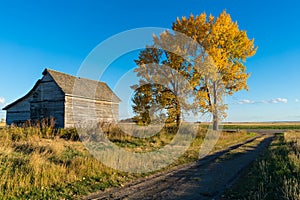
point(82, 87)
point(75, 86)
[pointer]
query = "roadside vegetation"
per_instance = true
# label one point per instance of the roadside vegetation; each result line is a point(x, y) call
point(276, 175)
point(39, 162)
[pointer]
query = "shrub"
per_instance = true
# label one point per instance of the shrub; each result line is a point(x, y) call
point(69, 134)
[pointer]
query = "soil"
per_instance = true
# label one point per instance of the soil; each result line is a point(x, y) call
point(207, 178)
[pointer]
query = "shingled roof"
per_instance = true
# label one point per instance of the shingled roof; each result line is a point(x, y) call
point(82, 87)
point(75, 86)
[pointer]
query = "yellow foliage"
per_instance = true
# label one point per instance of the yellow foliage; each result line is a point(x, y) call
point(226, 49)
point(215, 68)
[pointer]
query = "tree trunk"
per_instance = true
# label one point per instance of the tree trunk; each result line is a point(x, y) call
point(215, 122)
point(215, 109)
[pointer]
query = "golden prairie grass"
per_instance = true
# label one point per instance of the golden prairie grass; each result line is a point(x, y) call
point(36, 163)
point(31, 165)
point(292, 138)
point(226, 139)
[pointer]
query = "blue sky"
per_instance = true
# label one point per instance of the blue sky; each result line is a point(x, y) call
point(60, 34)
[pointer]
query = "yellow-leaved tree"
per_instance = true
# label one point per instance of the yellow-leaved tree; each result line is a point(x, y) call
point(216, 67)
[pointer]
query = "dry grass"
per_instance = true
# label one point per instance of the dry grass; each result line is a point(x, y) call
point(36, 163)
point(276, 175)
point(226, 139)
point(44, 167)
point(292, 138)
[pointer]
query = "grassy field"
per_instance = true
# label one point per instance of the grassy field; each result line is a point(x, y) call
point(257, 125)
point(279, 126)
point(276, 175)
point(39, 163)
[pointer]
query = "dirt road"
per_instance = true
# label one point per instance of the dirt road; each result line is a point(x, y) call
point(205, 179)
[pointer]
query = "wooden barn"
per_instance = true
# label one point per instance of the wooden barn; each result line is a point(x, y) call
point(68, 99)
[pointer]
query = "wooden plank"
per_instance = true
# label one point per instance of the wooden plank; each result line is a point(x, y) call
point(78, 110)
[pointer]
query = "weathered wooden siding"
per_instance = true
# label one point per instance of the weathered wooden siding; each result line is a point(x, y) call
point(48, 101)
point(19, 112)
point(80, 110)
point(44, 101)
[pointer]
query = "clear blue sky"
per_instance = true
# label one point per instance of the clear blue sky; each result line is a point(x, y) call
point(60, 34)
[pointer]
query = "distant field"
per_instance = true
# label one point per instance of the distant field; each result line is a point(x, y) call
point(2, 124)
point(256, 125)
point(262, 125)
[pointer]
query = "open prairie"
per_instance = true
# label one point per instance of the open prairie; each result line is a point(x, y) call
point(39, 163)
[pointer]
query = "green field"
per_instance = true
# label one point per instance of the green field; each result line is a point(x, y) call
point(278, 126)
point(258, 125)
point(255, 125)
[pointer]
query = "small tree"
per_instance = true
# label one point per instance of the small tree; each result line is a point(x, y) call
point(142, 102)
point(151, 100)
point(161, 73)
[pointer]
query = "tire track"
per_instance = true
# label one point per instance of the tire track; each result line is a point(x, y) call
point(204, 179)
